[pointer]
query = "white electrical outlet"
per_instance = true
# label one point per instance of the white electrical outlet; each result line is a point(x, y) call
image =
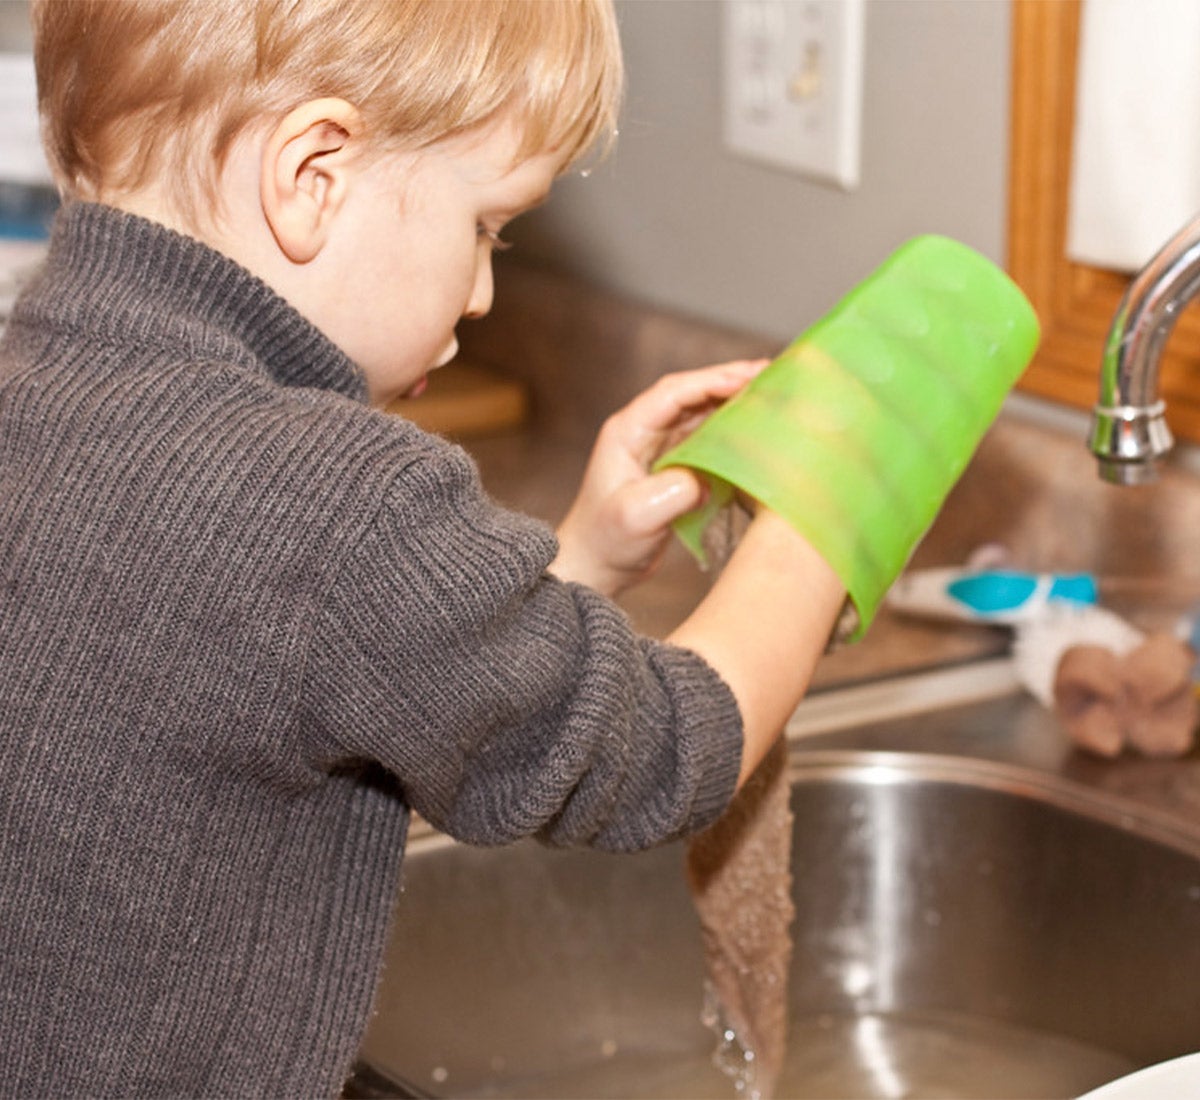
point(793, 84)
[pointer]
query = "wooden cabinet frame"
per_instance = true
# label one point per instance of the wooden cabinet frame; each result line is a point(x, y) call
point(1074, 301)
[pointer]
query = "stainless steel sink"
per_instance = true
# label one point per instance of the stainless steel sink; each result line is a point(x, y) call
point(964, 928)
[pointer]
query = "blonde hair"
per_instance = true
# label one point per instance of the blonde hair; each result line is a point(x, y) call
point(134, 91)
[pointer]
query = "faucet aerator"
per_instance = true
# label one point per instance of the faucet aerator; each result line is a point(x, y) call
point(1116, 472)
point(1128, 441)
point(1130, 432)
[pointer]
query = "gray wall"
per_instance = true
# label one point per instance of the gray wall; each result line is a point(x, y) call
point(14, 26)
point(673, 219)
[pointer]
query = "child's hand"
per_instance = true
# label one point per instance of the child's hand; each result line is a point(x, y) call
point(617, 529)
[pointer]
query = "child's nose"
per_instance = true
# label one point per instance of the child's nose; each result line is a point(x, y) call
point(481, 293)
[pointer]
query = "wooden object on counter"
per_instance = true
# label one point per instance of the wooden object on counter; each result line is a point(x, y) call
point(465, 399)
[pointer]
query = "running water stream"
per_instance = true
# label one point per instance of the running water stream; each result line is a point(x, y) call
point(739, 871)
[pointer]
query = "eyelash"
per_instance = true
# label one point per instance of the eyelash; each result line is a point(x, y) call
point(493, 239)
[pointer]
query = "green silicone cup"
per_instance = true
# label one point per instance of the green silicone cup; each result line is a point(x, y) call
point(859, 429)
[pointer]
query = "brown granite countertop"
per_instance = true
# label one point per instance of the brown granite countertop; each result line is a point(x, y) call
point(1031, 488)
point(996, 502)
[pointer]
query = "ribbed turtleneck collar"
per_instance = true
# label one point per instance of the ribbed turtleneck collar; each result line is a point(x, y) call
point(125, 276)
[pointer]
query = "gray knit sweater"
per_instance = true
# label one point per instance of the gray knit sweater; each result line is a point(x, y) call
point(246, 623)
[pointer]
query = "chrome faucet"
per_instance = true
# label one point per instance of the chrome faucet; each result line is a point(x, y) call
point(1129, 430)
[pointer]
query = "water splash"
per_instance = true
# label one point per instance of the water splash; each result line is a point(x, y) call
point(731, 1056)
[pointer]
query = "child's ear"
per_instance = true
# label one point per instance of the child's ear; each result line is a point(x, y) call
point(307, 162)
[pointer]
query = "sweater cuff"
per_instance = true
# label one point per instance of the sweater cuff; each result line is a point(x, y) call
point(709, 711)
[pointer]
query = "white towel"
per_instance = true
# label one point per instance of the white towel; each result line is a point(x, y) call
point(1135, 176)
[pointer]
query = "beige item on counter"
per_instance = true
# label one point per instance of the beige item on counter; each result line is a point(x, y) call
point(739, 870)
point(1144, 698)
point(1162, 700)
point(1087, 698)
point(466, 399)
point(1039, 644)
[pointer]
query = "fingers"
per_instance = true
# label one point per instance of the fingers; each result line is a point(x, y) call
point(679, 400)
point(621, 517)
point(674, 394)
point(661, 405)
point(620, 542)
point(651, 504)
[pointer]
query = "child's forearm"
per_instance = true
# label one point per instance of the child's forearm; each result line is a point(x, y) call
point(763, 627)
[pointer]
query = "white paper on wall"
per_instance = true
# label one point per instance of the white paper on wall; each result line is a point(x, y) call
point(1135, 173)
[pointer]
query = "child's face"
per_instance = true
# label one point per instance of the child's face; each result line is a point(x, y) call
point(414, 251)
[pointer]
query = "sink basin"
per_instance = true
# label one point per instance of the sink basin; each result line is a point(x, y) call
point(964, 928)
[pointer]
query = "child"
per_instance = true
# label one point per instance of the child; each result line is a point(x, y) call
point(248, 622)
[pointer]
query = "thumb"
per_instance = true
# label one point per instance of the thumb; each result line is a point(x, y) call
point(653, 502)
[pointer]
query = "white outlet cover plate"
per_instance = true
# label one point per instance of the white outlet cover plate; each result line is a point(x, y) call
point(792, 85)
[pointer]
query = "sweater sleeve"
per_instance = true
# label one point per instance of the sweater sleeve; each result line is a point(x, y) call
point(509, 703)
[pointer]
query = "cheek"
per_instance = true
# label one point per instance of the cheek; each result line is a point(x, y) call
point(408, 307)
point(453, 290)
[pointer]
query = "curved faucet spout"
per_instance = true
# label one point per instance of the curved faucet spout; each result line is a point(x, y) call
point(1129, 430)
